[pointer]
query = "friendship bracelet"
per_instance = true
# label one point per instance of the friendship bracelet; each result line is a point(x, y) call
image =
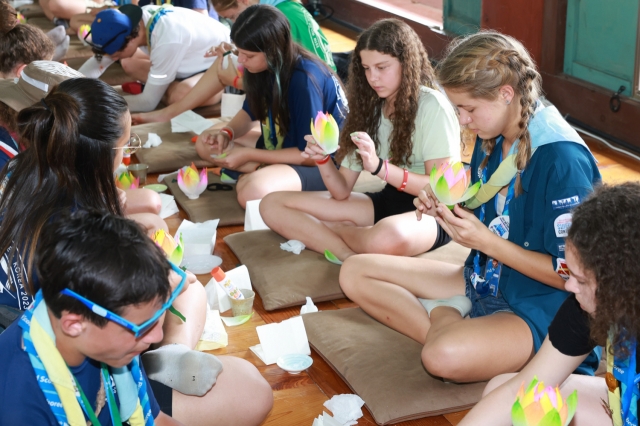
point(378, 168)
point(228, 131)
point(324, 160)
point(404, 180)
point(235, 81)
point(386, 169)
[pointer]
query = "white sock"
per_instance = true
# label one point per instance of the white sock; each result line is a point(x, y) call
point(461, 303)
point(57, 35)
point(187, 371)
point(61, 49)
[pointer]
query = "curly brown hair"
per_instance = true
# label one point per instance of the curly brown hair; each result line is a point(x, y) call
point(397, 39)
point(606, 238)
point(480, 64)
point(20, 43)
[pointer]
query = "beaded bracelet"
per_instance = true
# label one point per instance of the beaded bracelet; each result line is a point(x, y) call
point(404, 180)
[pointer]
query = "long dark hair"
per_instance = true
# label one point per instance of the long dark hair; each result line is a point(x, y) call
point(69, 163)
point(20, 43)
point(263, 28)
point(604, 234)
point(397, 39)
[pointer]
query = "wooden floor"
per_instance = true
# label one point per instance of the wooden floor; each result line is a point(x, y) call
point(299, 398)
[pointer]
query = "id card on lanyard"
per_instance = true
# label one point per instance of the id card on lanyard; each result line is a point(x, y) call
point(487, 285)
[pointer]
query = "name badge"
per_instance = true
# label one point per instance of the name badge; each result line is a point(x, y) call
point(500, 226)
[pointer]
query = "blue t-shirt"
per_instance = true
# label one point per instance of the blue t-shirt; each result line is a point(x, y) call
point(8, 147)
point(21, 399)
point(559, 177)
point(188, 4)
point(312, 88)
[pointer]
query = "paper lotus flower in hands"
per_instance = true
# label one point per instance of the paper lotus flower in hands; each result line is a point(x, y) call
point(540, 406)
point(127, 181)
point(83, 31)
point(174, 250)
point(450, 184)
point(191, 182)
point(326, 132)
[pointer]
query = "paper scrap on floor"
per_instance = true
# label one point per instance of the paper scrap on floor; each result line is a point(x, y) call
point(169, 206)
point(325, 420)
point(214, 335)
point(189, 121)
point(279, 339)
point(293, 246)
point(153, 140)
point(346, 408)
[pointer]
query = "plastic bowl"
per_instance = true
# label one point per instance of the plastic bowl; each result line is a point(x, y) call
point(294, 363)
point(157, 187)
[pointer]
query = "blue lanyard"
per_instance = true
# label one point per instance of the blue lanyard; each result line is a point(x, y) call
point(505, 212)
point(627, 375)
point(272, 131)
point(154, 20)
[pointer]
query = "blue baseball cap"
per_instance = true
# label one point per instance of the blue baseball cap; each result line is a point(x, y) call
point(112, 26)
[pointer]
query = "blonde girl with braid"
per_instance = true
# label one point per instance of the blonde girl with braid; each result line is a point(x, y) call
point(535, 169)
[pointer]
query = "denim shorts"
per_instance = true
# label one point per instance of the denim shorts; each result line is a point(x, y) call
point(483, 305)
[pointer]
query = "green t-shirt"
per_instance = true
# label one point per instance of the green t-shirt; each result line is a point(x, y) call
point(306, 31)
point(436, 135)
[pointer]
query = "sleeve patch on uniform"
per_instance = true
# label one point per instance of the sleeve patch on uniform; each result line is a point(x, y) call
point(562, 269)
point(565, 203)
point(561, 248)
point(561, 225)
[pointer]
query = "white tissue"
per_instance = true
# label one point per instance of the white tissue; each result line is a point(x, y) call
point(169, 206)
point(189, 121)
point(346, 408)
point(152, 141)
point(325, 420)
point(309, 307)
point(294, 246)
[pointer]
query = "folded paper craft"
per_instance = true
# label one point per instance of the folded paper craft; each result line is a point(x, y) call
point(326, 132)
point(191, 182)
point(450, 184)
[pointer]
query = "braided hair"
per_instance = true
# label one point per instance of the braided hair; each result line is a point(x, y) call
point(480, 64)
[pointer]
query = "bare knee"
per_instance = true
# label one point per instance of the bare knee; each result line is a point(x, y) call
point(352, 272)
point(388, 240)
point(249, 188)
point(128, 66)
point(177, 92)
point(254, 387)
point(270, 204)
point(443, 357)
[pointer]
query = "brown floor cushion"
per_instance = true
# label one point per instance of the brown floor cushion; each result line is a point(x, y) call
point(384, 368)
point(114, 75)
point(176, 149)
point(31, 11)
point(221, 205)
point(42, 22)
point(284, 279)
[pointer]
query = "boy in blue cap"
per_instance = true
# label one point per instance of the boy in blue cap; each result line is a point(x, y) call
point(155, 45)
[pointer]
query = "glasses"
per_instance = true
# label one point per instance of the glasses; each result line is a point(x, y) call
point(137, 330)
point(101, 47)
point(135, 143)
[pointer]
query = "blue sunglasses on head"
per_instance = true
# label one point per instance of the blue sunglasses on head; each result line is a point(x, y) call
point(137, 330)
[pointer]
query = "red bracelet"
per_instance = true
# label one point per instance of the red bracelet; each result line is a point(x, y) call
point(404, 180)
point(324, 160)
point(235, 81)
point(228, 132)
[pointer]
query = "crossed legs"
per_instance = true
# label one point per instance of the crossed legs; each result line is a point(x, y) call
point(457, 349)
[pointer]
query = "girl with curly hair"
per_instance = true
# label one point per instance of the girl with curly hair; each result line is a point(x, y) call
point(602, 248)
point(534, 168)
point(399, 126)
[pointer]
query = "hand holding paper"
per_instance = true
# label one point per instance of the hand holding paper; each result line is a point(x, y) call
point(326, 132)
point(450, 184)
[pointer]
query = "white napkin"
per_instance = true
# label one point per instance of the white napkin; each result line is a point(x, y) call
point(294, 246)
point(325, 420)
point(169, 206)
point(346, 408)
point(189, 121)
point(153, 141)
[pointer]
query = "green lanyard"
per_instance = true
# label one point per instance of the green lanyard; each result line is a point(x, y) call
point(111, 400)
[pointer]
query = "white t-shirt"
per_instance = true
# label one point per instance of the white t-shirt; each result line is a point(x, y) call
point(179, 41)
point(436, 135)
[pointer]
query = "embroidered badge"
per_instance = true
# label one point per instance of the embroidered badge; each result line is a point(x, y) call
point(562, 269)
point(561, 248)
point(565, 203)
point(561, 225)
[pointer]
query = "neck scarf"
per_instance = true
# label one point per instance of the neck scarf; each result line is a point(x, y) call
point(58, 384)
point(547, 126)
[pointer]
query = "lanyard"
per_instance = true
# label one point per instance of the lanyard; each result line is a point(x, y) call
point(153, 21)
point(111, 400)
point(505, 212)
point(629, 377)
point(272, 131)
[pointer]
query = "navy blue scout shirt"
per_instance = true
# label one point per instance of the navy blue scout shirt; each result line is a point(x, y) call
point(21, 399)
point(312, 88)
point(559, 177)
point(8, 147)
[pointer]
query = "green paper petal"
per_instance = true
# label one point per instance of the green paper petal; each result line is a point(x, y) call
point(178, 252)
point(572, 403)
point(433, 178)
point(442, 191)
point(470, 192)
point(233, 321)
point(552, 418)
point(332, 257)
point(532, 385)
point(177, 313)
point(517, 414)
